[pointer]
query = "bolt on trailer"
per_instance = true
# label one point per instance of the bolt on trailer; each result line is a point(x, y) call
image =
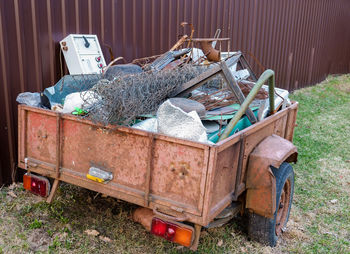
point(180, 185)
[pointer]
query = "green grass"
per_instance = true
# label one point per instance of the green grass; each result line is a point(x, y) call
point(322, 173)
point(319, 222)
point(35, 224)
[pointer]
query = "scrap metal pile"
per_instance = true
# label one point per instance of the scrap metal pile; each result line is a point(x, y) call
point(136, 94)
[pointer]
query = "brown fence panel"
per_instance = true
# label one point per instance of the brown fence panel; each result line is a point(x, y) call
point(302, 40)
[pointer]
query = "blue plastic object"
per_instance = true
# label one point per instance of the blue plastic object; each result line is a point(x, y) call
point(70, 84)
point(242, 124)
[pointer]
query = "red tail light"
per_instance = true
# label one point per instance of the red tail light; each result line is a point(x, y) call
point(37, 184)
point(178, 233)
point(159, 227)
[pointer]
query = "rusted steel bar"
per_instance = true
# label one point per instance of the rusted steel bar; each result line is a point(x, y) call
point(247, 82)
point(179, 42)
point(268, 75)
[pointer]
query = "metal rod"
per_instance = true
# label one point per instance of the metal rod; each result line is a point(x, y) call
point(267, 75)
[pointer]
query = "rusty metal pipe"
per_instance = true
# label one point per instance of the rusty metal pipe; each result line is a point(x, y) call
point(211, 53)
point(183, 24)
point(268, 75)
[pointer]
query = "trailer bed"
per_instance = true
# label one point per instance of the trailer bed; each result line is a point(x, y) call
point(187, 180)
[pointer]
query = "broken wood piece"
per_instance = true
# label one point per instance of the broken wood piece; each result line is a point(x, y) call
point(232, 84)
point(189, 86)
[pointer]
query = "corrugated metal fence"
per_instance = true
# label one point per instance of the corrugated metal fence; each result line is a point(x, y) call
point(302, 40)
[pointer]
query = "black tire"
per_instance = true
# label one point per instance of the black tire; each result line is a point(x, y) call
point(264, 229)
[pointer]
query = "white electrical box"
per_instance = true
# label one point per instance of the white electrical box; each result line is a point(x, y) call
point(83, 54)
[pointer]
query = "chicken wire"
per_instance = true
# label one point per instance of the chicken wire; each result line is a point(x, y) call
point(121, 100)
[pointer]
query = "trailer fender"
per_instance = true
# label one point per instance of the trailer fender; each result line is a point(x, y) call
point(261, 183)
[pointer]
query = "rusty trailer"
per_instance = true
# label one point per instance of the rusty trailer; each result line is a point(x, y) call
point(179, 180)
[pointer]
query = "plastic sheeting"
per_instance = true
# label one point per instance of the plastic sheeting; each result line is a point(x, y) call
point(150, 125)
point(70, 84)
point(175, 122)
point(30, 99)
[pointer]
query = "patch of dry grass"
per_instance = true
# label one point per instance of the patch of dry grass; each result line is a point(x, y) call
point(319, 222)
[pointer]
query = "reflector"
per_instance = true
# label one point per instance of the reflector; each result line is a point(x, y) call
point(36, 184)
point(171, 231)
point(174, 232)
point(158, 227)
point(27, 180)
point(183, 236)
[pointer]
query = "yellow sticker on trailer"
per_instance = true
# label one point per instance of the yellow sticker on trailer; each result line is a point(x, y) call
point(94, 178)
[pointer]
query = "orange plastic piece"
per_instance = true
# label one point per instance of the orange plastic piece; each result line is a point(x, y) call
point(27, 180)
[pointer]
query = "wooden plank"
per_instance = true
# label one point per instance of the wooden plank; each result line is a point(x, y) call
point(202, 78)
point(232, 84)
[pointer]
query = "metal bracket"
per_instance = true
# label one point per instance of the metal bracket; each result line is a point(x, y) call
point(58, 144)
point(197, 230)
point(169, 217)
point(239, 168)
point(58, 158)
point(53, 191)
point(149, 169)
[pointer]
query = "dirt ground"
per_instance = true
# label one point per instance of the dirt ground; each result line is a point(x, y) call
point(82, 221)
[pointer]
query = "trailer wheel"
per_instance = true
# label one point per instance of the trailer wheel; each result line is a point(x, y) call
point(266, 230)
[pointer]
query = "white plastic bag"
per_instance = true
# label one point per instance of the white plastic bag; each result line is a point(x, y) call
point(82, 100)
